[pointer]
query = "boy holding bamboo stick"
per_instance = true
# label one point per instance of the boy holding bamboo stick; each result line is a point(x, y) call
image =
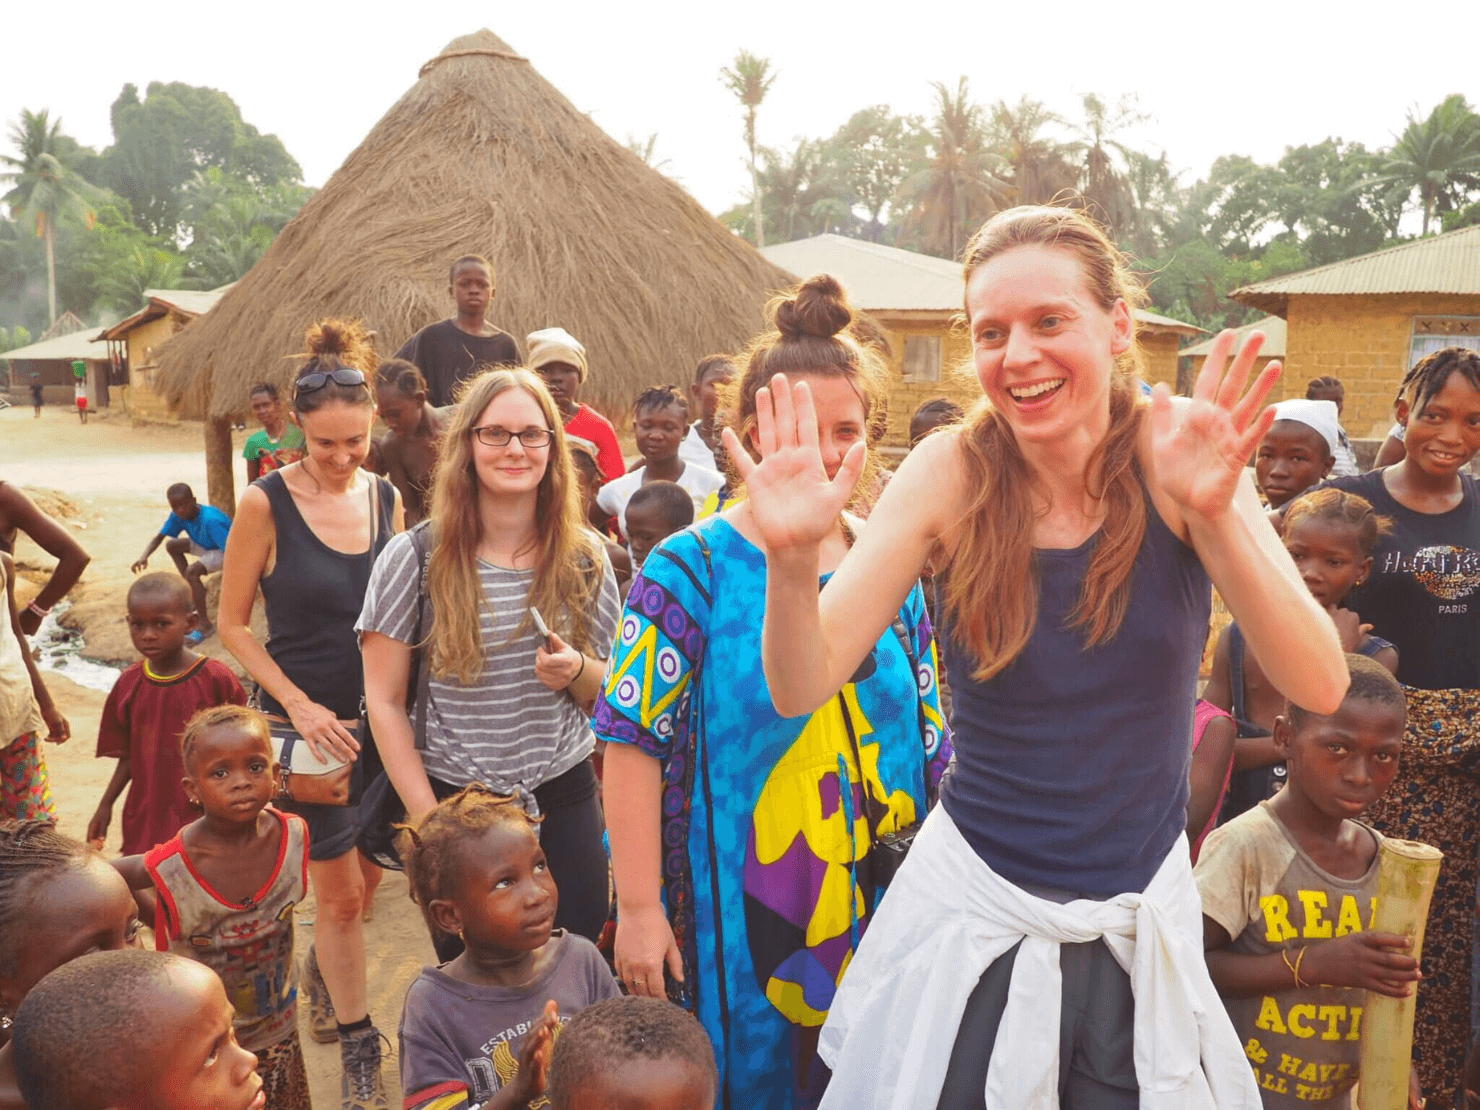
point(1288, 891)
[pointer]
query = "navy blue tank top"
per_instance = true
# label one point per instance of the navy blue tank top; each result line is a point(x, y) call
point(1071, 767)
point(313, 598)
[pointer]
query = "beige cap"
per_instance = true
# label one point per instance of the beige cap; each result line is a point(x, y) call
point(556, 345)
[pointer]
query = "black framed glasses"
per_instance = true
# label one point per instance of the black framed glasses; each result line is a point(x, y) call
point(344, 375)
point(491, 435)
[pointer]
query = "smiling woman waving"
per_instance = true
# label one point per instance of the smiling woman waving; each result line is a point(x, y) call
point(1073, 530)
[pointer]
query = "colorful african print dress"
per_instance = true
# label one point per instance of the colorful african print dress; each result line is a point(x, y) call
point(765, 821)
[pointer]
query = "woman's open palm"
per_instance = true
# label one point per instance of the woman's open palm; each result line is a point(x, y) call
point(1199, 448)
point(792, 501)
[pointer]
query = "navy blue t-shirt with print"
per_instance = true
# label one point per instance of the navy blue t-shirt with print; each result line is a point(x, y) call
point(1424, 590)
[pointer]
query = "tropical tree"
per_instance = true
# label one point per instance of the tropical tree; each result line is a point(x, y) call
point(1042, 167)
point(43, 188)
point(802, 191)
point(122, 287)
point(1437, 157)
point(871, 155)
point(961, 184)
point(647, 150)
point(1104, 174)
point(750, 78)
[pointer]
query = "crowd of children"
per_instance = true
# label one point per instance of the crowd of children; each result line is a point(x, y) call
point(530, 1015)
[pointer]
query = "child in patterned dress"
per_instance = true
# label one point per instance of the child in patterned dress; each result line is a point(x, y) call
point(26, 714)
point(227, 886)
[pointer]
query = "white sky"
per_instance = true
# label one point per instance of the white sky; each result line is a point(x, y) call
point(1218, 78)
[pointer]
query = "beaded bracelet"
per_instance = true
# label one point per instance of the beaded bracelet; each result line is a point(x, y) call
point(40, 612)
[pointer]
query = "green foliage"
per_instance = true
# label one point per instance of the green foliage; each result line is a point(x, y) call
point(870, 157)
point(1437, 157)
point(14, 338)
point(160, 142)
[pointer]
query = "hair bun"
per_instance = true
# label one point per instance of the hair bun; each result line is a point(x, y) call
point(819, 308)
point(346, 340)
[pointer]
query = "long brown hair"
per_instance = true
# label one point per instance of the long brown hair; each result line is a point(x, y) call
point(992, 587)
point(810, 337)
point(568, 563)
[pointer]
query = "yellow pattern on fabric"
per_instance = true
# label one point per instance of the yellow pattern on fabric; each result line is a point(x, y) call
point(645, 648)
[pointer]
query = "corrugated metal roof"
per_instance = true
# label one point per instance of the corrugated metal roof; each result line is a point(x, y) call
point(1274, 330)
point(77, 344)
point(880, 278)
point(1448, 263)
point(158, 302)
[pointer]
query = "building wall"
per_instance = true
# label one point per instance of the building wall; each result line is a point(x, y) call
point(957, 375)
point(1364, 341)
point(1161, 357)
point(141, 399)
point(1283, 386)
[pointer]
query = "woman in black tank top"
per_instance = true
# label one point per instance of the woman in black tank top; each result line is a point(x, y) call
point(308, 535)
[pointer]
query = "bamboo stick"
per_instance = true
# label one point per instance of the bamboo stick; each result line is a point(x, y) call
point(1405, 884)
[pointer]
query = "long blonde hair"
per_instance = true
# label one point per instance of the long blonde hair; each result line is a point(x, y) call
point(992, 587)
point(567, 573)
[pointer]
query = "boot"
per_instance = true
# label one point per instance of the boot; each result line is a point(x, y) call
point(362, 1087)
point(321, 1019)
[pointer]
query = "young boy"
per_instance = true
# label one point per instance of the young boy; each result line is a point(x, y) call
point(699, 445)
point(147, 711)
point(1298, 450)
point(206, 528)
point(660, 420)
point(932, 415)
point(451, 351)
point(633, 1053)
point(655, 512)
point(560, 361)
point(132, 1030)
point(1289, 887)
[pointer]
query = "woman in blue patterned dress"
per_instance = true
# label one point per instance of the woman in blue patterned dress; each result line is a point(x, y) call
point(744, 845)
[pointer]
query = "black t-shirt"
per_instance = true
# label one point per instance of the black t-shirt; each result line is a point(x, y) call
point(1424, 592)
point(446, 355)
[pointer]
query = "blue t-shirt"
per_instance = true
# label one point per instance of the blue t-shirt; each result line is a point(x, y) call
point(209, 528)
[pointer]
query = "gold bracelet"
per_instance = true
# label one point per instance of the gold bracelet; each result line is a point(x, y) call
point(1298, 958)
point(1295, 967)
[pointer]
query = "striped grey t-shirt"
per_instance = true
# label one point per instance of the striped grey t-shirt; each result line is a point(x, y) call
point(508, 730)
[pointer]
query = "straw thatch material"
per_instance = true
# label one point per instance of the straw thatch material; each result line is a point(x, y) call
point(483, 156)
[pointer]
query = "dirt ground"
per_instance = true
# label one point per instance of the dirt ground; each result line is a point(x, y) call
point(114, 475)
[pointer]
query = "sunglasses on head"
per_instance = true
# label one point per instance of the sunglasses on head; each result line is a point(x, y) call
point(312, 383)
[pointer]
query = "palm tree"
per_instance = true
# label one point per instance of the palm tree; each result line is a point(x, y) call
point(1042, 167)
point(750, 78)
point(962, 183)
point(1438, 156)
point(144, 267)
point(44, 187)
point(801, 190)
point(647, 150)
point(1104, 184)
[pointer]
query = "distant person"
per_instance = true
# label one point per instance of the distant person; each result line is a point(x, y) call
point(37, 397)
point(408, 453)
point(1328, 388)
point(132, 1031)
point(660, 419)
point(703, 438)
point(79, 394)
point(931, 416)
point(558, 357)
point(279, 442)
point(634, 1053)
point(206, 528)
point(26, 714)
point(146, 714)
point(18, 513)
point(450, 352)
point(655, 512)
point(1297, 452)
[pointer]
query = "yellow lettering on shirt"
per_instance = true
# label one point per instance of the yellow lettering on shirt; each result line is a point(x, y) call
point(1289, 1064)
point(1348, 918)
point(1269, 1018)
point(1355, 1032)
point(1316, 926)
point(1298, 1016)
point(1276, 1083)
point(1277, 918)
point(1255, 1051)
point(1332, 1016)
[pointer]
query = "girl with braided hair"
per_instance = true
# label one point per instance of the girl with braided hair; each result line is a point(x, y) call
point(409, 453)
point(1423, 594)
point(58, 900)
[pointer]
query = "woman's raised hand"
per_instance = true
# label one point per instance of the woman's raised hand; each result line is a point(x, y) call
point(792, 501)
point(1199, 448)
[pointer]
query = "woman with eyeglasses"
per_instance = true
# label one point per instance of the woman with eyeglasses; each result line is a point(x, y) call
point(307, 535)
point(506, 704)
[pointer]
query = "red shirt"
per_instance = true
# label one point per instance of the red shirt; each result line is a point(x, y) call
point(142, 721)
point(591, 425)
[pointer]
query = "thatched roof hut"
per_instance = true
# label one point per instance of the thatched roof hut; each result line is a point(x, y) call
point(483, 156)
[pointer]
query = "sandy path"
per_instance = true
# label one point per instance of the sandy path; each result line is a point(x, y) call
point(117, 473)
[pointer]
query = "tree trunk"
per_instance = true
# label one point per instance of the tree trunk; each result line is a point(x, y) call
point(51, 273)
point(220, 459)
point(755, 200)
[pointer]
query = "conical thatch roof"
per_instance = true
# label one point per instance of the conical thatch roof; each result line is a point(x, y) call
point(483, 156)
